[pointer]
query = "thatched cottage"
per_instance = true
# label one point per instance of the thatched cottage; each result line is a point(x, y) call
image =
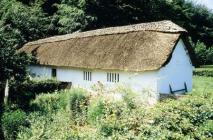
point(148, 56)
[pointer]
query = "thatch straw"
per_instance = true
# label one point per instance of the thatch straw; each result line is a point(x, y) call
point(138, 47)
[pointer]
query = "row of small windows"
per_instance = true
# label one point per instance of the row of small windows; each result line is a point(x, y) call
point(87, 76)
point(113, 77)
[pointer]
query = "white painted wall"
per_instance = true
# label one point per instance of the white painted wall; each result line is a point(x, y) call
point(135, 81)
point(139, 82)
point(177, 71)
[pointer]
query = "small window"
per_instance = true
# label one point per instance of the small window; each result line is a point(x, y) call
point(54, 73)
point(87, 76)
point(113, 77)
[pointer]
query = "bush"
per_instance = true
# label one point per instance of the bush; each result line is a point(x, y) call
point(203, 72)
point(189, 117)
point(95, 111)
point(47, 103)
point(50, 103)
point(78, 102)
point(22, 93)
point(205, 130)
point(51, 126)
point(119, 119)
point(129, 97)
point(12, 122)
point(183, 117)
point(204, 54)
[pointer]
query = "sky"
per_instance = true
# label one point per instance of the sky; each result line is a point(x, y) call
point(208, 3)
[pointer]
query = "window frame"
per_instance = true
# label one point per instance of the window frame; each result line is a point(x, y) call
point(87, 75)
point(53, 72)
point(113, 77)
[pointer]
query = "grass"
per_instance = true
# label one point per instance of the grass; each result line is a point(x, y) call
point(202, 84)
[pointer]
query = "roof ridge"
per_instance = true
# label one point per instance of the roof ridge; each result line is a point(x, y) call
point(166, 26)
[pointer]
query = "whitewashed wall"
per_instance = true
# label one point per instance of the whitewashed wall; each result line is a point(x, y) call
point(135, 81)
point(138, 82)
point(177, 71)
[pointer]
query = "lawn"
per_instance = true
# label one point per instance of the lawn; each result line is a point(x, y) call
point(202, 85)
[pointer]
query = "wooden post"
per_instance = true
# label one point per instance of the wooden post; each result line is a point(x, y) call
point(170, 87)
point(185, 85)
point(6, 92)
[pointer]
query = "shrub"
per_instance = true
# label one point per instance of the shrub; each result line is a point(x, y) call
point(189, 117)
point(46, 103)
point(204, 54)
point(203, 72)
point(22, 93)
point(49, 126)
point(182, 117)
point(12, 122)
point(129, 97)
point(78, 102)
point(50, 103)
point(119, 119)
point(95, 111)
point(205, 130)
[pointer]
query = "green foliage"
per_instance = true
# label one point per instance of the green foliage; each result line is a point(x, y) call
point(51, 126)
point(209, 56)
point(47, 103)
point(198, 20)
point(78, 102)
point(118, 119)
point(187, 118)
point(203, 72)
point(204, 54)
point(95, 111)
point(205, 130)
point(12, 122)
point(22, 93)
point(129, 97)
point(50, 103)
point(181, 119)
point(203, 86)
point(71, 16)
point(12, 65)
point(21, 23)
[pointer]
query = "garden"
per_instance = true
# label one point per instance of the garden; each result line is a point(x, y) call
point(75, 114)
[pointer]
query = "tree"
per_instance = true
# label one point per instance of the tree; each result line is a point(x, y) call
point(12, 66)
point(122, 12)
point(71, 16)
point(23, 23)
point(197, 19)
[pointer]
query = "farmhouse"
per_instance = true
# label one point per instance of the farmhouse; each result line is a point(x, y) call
point(148, 56)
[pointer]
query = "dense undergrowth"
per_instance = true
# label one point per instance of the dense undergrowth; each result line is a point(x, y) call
point(75, 114)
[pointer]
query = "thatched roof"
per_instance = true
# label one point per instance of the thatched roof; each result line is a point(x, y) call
point(139, 47)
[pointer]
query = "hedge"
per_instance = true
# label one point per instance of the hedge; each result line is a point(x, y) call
point(203, 72)
point(22, 93)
